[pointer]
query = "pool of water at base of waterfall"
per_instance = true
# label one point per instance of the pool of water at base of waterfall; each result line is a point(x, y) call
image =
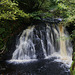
point(39, 67)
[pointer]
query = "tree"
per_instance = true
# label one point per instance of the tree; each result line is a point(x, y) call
point(9, 12)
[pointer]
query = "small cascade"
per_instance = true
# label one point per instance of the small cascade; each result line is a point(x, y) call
point(63, 50)
point(41, 42)
point(26, 49)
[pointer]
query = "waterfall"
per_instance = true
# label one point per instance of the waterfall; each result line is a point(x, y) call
point(43, 41)
point(63, 50)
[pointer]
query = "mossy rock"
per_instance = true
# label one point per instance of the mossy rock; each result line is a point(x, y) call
point(72, 69)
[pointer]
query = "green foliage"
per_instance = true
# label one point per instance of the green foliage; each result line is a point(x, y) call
point(10, 11)
point(72, 71)
point(31, 5)
point(37, 7)
point(73, 34)
point(49, 8)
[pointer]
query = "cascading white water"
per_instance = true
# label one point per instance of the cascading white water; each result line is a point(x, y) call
point(43, 42)
point(26, 49)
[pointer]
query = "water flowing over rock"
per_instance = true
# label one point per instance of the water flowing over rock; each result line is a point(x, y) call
point(42, 42)
point(41, 49)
